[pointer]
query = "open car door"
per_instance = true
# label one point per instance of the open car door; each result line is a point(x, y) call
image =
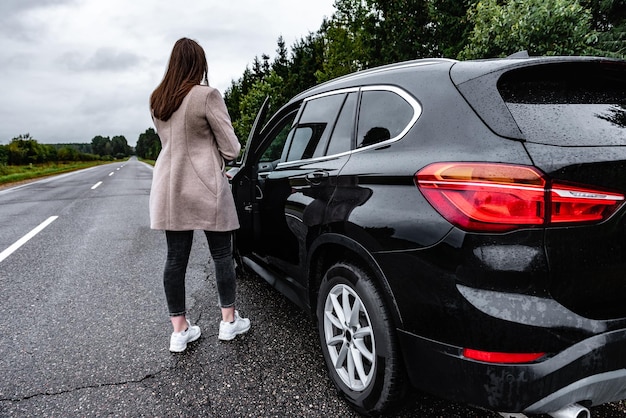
point(246, 189)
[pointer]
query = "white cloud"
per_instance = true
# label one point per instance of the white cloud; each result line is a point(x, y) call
point(74, 69)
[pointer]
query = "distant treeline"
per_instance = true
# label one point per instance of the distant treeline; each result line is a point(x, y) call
point(365, 34)
point(81, 148)
point(24, 150)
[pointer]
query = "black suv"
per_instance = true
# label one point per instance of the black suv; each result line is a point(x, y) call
point(456, 225)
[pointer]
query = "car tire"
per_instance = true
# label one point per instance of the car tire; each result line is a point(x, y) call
point(361, 351)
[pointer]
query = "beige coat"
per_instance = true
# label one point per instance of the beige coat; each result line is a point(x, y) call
point(189, 187)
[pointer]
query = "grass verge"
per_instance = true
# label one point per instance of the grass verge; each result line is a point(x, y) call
point(11, 174)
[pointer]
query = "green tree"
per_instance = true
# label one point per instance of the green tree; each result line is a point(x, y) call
point(119, 147)
point(367, 33)
point(280, 65)
point(307, 58)
point(102, 146)
point(541, 27)
point(15, 154)
point(400, 30)
point(148, 145)
point(24, 149)
point(235, 94)
point(68, 154)
point(450, 26)
point(4, 156)
point(347, 40)
point(281, 79)
point(252, 102)
point(609, 21)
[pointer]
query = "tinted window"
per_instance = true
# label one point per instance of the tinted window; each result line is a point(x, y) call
point(575, 104)
point(341, 139)
point(279, 134)
point(313, 130)
point(382, 115)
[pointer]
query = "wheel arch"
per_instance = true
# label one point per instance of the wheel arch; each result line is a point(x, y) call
point(330, 248)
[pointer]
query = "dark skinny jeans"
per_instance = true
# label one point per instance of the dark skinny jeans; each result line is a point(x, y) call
point(178, 250)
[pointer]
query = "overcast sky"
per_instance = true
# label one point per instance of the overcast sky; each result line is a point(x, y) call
point(74, 69)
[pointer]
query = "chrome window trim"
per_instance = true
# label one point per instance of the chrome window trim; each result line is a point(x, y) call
point(332, 93)
point(417, 112)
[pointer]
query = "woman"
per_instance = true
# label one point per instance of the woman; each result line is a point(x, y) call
point(190, 190)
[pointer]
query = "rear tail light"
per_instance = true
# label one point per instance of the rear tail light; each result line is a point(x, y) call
point(491, 197)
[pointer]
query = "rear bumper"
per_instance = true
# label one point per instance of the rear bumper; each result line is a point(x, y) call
point(591, 372)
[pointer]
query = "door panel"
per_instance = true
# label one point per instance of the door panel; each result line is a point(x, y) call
point(290, 179)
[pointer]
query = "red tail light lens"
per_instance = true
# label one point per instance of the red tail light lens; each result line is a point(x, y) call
point(501, 197)
point(495, 357)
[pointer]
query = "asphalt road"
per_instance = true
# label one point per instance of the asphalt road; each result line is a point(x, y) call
point(84, 329)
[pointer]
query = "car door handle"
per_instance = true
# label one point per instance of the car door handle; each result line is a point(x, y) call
point(316, 177)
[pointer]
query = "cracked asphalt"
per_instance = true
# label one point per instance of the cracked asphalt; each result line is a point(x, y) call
point(276, 370)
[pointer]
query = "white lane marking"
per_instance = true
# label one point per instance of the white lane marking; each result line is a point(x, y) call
point(4, 254)
point(96, 185)
point(111, 173)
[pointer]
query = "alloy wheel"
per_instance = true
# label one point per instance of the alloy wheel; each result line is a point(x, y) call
point(349, 337)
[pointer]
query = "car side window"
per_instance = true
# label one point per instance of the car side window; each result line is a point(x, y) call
point(280, 134)
point(312, 132)
point(341, 139)
point(383, 115)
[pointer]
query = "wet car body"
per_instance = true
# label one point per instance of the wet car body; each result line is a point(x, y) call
point(515, 313)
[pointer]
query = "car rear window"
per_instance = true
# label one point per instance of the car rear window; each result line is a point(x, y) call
point(568, 104)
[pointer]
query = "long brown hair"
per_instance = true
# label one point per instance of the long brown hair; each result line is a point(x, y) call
point(186, 68)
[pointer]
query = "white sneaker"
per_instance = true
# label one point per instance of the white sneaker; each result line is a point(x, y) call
point(229, 330)
point(179, 340)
